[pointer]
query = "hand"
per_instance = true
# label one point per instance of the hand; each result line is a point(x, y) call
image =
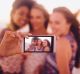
point(21, 35)
point(11, 43)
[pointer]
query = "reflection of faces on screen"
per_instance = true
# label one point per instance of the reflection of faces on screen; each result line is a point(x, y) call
point(38, 44)
point(34, 42)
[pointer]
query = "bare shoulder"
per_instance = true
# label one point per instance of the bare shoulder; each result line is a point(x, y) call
point(63, 41)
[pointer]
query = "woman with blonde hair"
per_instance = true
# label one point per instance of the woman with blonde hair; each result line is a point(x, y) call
point(38, 26)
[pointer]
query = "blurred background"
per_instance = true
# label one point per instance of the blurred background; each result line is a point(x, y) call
point(6, 6)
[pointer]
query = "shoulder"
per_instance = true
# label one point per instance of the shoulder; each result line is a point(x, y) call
point(64, 47)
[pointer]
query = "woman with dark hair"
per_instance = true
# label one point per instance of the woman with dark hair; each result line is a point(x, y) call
point(33, 45)
point(46, 45)
point(19, 18)
point(65, 26)
point(39, 45)
point(20, 14)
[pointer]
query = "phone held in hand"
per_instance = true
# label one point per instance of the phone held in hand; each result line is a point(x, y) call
point(39, 44)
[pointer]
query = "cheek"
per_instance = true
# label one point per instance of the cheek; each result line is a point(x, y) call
point(40, 22)
point(46, 43)
point(43, 43)
point(39, 42)
point(56, 28)
point(66, 28)
point(15, 18)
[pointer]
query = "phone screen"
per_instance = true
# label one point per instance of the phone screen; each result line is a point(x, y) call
point(39, 44)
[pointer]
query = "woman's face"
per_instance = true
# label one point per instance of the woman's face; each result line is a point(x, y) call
point(45, 43)
point(20, 16)
point(39, 42)
point(34, 42)
point(37, 19)
point(59, 24)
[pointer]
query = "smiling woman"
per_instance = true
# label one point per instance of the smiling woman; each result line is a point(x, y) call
point(6, 6)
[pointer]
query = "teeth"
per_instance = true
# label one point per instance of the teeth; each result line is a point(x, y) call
point(24, 29)
point(23, 22)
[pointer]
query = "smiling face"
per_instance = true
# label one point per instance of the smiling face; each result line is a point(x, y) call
point(45, 43)
point(59, 24)
point(20, 16)
point(39, 42)
point(34, 42)
point(37, 19)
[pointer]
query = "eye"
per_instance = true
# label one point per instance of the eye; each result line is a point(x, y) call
point(21, 13)
point(38, 17)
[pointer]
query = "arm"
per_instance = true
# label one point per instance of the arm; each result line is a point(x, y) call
point(63, 56)
point(9, 45)
point(1, 37)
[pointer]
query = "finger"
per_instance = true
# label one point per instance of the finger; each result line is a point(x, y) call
point(19, 36)
point(13, 34)
point(27, 37)
point(29, 34)
point(25, 34)
point(10, 33)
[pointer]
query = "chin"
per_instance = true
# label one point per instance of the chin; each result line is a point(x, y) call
point(36, 28)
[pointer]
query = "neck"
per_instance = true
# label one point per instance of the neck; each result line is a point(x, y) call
point(41, 31)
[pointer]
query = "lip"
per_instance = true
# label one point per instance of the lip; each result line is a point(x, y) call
point(23, 22)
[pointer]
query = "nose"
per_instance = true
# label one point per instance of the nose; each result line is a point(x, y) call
point(25, 17)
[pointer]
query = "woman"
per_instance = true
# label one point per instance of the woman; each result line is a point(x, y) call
point(33, 45)
point(38, 26)
point(19, 18)
point(46, 45)
point(39, 45)
point(65, 27)
point(38, 20)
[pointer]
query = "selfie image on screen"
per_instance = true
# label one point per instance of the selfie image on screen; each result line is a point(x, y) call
point(38, 44)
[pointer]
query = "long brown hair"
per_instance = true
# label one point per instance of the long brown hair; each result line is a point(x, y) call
point(74, 28)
